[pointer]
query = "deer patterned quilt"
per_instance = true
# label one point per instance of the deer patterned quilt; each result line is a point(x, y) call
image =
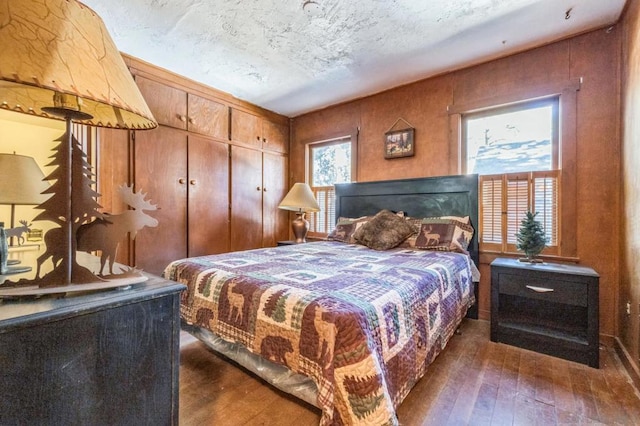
point(362, 324)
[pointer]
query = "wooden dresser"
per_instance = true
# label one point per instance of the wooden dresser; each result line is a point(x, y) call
point(108, 357)
point(546, 307)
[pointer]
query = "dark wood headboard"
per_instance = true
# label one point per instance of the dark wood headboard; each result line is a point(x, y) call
point(421, 197)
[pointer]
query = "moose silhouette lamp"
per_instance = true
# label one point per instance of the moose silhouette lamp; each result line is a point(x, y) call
point(21, 183)
point(59, 62)
point(300, 199)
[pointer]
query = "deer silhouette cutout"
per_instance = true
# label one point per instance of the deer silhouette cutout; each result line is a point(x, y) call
point(18, 231)
point(105, 234)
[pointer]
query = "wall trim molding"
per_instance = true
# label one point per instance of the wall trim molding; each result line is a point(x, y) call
point(627, 362)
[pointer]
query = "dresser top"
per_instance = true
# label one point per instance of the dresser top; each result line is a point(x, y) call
point(558, 268)
point(29, 311)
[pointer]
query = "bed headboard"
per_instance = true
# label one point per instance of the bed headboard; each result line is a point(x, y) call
point(421, 197)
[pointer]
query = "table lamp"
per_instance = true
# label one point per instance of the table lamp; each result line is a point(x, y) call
point(300, 199)
point(58, 61)
point(21, 183)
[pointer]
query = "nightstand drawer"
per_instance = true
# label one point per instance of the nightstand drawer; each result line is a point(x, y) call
point(558, 291)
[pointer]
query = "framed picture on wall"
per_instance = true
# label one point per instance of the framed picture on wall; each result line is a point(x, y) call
point(399, 143)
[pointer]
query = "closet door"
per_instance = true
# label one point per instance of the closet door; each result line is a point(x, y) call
point(246, 128)
point(160, 170)
point(246, 198)
point(167, 104)
point(274, 178)
point(208, 117)
point(275, 136)
point(208, 196)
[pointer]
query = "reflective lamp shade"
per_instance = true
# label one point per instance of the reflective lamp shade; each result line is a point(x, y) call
point(21, 181)
point(300, 199)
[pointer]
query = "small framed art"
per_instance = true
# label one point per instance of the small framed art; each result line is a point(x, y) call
point(399, 143)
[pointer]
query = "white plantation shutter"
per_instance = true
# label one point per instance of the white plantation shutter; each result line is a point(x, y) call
point(504, 200)
point(546, 201)
point(518, 197)
point(322, 222)
point(491, 211)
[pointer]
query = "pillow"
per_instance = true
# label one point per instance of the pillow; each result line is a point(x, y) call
point(417, 225)
point(464, 219)
point(444, 234)
point(346, 227)
point(386, 230)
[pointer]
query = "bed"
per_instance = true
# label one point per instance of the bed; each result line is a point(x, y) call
point(344, 327)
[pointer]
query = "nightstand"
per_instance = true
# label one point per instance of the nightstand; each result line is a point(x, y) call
point(550, 308)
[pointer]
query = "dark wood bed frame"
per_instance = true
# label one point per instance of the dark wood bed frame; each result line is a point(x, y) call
point(421, 197)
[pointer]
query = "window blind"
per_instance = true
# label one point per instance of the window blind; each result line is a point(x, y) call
point(322, 222)
point(504, 200)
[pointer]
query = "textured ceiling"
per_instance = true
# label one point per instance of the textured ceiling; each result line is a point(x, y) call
point(273, 53)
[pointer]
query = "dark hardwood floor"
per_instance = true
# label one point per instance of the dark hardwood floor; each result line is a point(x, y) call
point(473, 381)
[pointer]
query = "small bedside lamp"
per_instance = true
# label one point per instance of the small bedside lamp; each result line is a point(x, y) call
point(300, 199)
point(21, 183)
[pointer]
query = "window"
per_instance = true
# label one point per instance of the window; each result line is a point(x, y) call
point(515, 149)
point(329, 162)
point(520, 138)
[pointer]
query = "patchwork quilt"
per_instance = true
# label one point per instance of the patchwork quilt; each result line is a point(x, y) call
point(362, 324)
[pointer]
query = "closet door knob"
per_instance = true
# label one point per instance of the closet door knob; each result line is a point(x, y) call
point(182, 118)
point(265, 140)
point(257, 188)
point(182, 181)
point(193, 181)
point(264, 189)
point(192, 121)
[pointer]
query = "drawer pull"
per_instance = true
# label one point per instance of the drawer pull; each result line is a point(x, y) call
point(539, 289)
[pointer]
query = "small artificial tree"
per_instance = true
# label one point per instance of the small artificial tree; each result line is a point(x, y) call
point(531, 238)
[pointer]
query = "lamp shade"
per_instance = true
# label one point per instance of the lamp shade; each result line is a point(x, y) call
point(300, 198)
point(62, 48)
point(21, 180)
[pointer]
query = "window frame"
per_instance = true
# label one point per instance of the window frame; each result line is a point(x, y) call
point(328, 191)
point(567, 91)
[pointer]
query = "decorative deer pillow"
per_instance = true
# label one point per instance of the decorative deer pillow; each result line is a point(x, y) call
point(444, 235)
point(346, 227)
